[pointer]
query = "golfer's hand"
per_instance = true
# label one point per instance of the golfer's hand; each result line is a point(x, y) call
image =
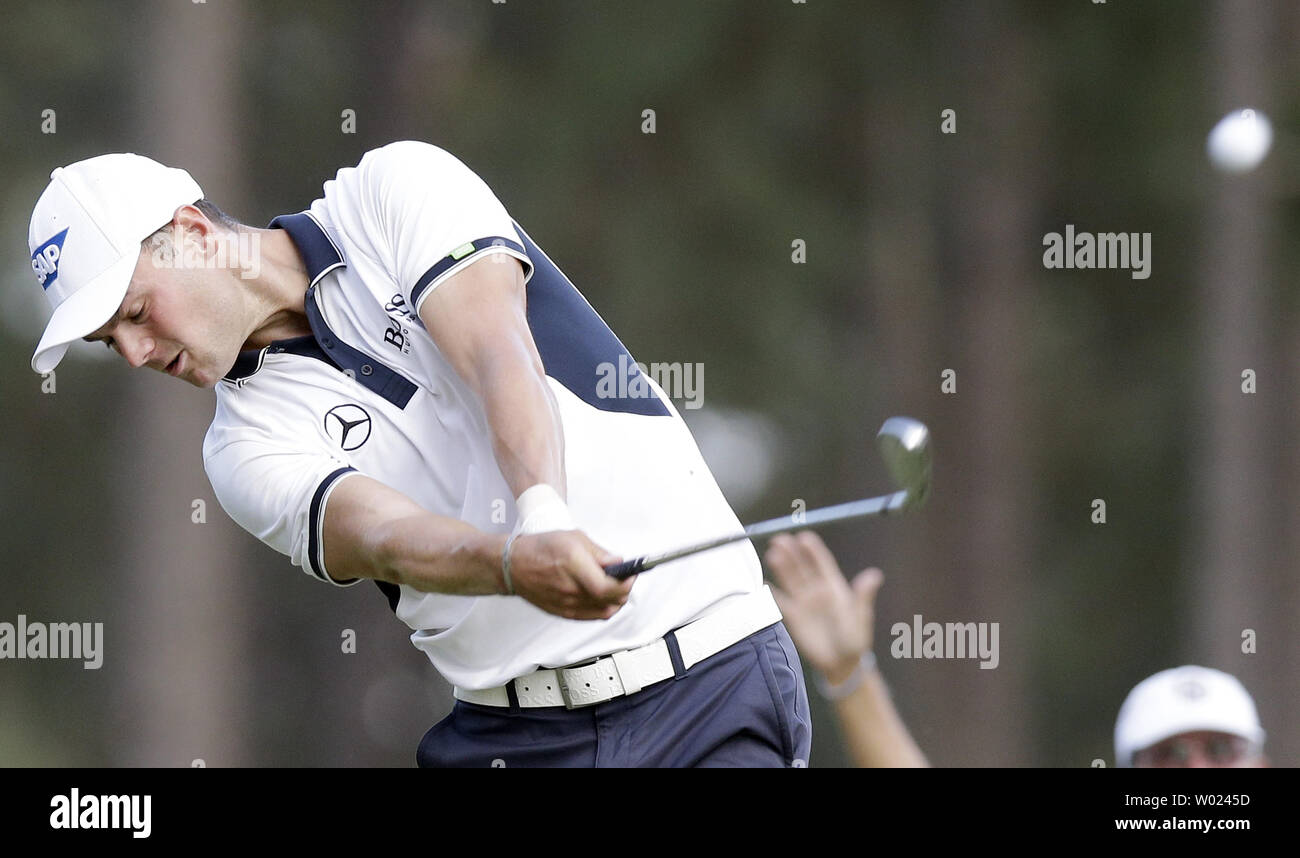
point(829, 619)
point(562, 572)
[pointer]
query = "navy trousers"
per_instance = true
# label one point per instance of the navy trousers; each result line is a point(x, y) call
point(746, 706)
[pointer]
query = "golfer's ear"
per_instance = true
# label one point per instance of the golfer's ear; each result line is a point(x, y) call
point(190, 219)
point(188, 224)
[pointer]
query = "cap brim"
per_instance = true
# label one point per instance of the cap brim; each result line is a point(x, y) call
point(83, 312)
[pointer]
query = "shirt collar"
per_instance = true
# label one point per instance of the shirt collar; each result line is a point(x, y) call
point(321, 256)
point(314, 244)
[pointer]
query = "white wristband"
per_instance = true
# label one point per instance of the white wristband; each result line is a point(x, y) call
point(541, 509)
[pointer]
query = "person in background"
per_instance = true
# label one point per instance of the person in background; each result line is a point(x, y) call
point(831, 621)
point(1188, 717)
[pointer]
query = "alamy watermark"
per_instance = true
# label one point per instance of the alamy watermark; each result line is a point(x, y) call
point(631, 380)
point(130, 812)
point(175, 248)
point(53, 640)
point(1130, 250)
point(946, 640)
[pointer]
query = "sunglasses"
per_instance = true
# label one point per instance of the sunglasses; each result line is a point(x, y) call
point(1179, 752)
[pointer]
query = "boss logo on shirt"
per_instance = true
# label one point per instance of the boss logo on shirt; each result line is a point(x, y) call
point(348, 425)
point(398, 309)
point(398, 337)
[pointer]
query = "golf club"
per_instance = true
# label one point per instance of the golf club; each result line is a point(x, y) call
point(905, 447)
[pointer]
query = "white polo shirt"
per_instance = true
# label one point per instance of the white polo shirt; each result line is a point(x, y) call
point(369, 392)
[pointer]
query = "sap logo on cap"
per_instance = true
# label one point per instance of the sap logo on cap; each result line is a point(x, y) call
point(1191, 689)
point(45, 261)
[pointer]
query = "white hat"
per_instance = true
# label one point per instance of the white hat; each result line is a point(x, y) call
point(85, 239)
point(1183, 700)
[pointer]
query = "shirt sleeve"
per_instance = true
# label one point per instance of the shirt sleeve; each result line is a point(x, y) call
point(276, 492)
point(433, 216)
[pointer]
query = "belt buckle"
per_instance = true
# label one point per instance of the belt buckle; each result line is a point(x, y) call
point(562, 680)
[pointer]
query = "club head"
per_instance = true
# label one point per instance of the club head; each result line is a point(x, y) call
point(905, 446)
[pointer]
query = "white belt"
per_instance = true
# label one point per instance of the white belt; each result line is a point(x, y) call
point(630, 670)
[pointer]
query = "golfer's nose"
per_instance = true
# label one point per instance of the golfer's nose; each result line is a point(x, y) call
point(136, 348)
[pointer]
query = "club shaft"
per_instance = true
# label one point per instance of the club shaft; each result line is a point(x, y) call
point(882, 505)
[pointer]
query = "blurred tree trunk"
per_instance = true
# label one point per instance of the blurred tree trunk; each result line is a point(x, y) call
point(1243, 566)
point(185, 622)
point(960, 300)
point(993, 265)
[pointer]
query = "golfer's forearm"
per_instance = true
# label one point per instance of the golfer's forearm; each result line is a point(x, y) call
point(438, 555)
point(527, 435)
point(876, 735)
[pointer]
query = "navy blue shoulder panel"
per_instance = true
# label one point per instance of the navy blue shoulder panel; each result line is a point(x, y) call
point(576, 346)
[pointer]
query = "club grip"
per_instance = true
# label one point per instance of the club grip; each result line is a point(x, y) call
point(626, 569)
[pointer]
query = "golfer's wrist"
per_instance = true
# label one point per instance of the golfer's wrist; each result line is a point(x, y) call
point(487, 550)
point(541, 509)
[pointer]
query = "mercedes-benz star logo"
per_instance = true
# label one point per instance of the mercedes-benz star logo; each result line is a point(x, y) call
point(348, 425)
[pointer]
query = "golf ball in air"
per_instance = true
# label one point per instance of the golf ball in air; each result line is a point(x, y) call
point(1240, 141)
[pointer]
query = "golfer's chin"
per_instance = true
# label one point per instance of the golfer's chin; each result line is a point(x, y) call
point(198, 373)
point(209, 369)
point(201, 381)
point(198, 379)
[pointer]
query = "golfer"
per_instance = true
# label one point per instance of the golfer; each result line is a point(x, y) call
point(407, 390)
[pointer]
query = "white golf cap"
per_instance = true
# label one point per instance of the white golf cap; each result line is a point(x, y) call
point(85, 239)
point(1183, 700)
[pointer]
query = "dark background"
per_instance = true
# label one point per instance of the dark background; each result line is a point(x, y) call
point(775, 122)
